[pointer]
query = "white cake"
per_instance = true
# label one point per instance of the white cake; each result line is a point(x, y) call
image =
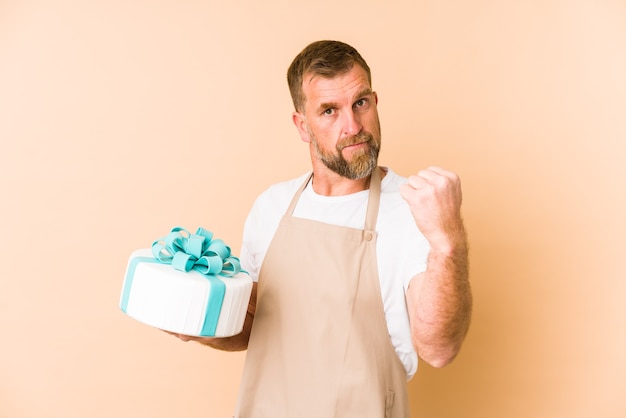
point(184, 302)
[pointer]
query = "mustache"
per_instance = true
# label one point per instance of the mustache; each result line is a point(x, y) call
point(355, 139)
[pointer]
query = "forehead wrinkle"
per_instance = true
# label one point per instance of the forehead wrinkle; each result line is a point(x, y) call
point(331, 103)
point(331, 92)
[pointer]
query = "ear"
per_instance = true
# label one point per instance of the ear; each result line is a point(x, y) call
point(300, 121)
point(375, 96)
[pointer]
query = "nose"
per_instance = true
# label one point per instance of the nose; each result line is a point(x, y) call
point(351, 123)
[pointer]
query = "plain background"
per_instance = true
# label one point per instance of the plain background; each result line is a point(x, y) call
point(122, 119)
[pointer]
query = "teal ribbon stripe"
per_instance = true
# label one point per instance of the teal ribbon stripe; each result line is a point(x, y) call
point(185, 252)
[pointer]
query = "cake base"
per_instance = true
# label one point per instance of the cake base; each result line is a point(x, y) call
point(186, 303)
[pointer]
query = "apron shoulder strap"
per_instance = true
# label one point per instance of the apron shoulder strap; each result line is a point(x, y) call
point(373, 200)
point(296, 196)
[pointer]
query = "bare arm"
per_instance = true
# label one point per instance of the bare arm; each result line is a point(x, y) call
point(439, 300)
point(237, 342)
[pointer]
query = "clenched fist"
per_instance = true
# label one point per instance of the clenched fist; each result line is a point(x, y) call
point(434, 197)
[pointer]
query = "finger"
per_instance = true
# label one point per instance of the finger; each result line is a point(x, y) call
point(441, 178)
point(417, 181)
point(432, 175)
point(439, 170)
point(428, 175)
point(405, 191)
point(435, 174)
point(179, 336)
point(409, 194)
point(445, 173)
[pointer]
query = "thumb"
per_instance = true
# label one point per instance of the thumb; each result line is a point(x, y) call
point(405, 191)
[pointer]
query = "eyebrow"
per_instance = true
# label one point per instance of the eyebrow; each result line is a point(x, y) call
point(332, 105)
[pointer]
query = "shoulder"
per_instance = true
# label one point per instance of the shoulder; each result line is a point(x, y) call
point(390, 190)
point(263, 220)
point(277, 196)
point(393, 208)
point(395, 216)
point(272, 203)
point(392, 181)
point(401, 241)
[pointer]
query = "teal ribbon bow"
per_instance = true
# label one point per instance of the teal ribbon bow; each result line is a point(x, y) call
point(199, 252)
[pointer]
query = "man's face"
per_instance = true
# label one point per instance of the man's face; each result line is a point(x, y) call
point(340, 120)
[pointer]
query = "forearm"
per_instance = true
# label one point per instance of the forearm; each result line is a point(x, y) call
point(440, 302)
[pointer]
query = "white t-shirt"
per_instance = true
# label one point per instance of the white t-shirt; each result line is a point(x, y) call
point(401, 249)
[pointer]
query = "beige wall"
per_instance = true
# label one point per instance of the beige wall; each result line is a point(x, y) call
point(120, 119)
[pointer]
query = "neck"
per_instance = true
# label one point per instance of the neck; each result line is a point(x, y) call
point(329, 183)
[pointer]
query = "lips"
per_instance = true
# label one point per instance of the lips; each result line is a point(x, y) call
point(354, 145)
point(355, 140)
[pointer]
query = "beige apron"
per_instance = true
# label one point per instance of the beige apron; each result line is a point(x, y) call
point(319, 345)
